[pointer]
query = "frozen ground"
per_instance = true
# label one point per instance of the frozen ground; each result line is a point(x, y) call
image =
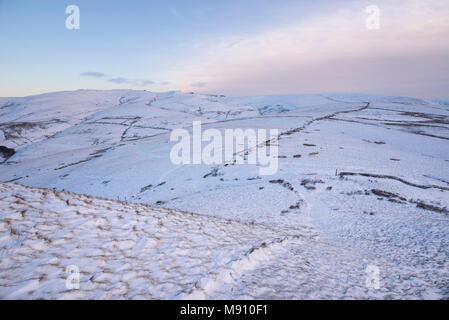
point(362, 180)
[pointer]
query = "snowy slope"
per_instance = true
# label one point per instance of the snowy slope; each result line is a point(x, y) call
point(31, 119)
point(366, 174)
point(122, 250)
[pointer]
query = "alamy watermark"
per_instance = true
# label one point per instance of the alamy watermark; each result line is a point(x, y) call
point(73, 277)
point(372, 21)
point(230, 149)
point(372, 280)
point(72, 22)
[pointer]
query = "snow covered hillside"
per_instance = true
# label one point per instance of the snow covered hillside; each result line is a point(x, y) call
point(363, 180)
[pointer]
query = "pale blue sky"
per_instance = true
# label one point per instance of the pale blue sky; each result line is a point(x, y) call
point(231, 47)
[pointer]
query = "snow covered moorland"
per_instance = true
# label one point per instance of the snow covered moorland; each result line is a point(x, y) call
point(358, 207)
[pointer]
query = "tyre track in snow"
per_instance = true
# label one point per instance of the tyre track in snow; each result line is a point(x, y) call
point(205, 288)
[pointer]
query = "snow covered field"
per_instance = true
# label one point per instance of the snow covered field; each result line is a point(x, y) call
point(363, 181)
